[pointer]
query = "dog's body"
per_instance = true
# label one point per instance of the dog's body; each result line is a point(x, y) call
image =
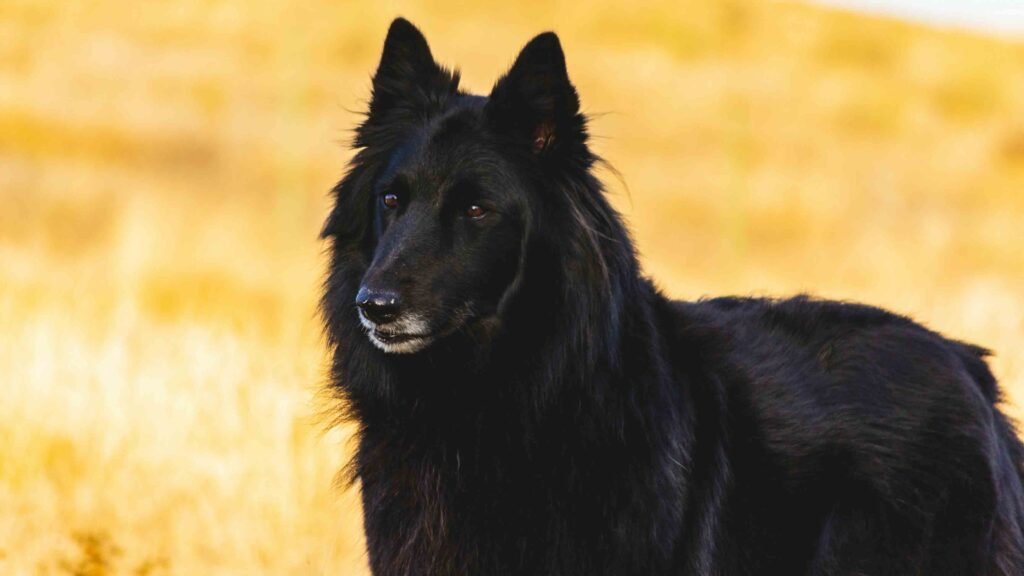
point(530, 404)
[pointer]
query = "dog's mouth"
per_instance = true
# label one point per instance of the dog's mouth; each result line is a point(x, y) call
point(403, 336)
point(399, 342)
point(412, 332)
point(397, 337)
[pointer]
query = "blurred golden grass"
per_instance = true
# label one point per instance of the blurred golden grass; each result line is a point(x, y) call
point(163, 175)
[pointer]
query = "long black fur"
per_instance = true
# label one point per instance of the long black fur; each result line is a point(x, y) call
point(576, 421)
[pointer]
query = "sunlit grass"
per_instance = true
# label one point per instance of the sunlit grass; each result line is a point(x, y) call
point(163, 176)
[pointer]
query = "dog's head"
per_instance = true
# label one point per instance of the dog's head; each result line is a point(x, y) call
point(432, 221)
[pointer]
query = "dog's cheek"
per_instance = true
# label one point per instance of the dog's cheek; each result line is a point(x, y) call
point(444, 288)
point(499, 265)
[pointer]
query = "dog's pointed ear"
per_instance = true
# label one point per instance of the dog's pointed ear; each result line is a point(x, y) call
point(407, 77)
point(535, 102)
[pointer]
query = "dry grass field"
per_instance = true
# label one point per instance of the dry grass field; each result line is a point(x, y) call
point(164, 170)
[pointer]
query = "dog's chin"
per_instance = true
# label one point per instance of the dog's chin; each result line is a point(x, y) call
point(398, 343)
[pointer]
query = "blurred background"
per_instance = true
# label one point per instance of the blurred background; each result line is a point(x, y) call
point(164, 169)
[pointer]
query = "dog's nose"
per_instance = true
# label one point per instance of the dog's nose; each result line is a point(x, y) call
point(379, 306)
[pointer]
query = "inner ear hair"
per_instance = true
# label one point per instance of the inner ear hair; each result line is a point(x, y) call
point(543, 136)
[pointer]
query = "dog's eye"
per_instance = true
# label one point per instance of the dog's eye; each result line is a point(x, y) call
point(476, 212)
point(390, 200)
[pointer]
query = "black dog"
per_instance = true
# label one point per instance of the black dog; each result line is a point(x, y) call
point(530, 404)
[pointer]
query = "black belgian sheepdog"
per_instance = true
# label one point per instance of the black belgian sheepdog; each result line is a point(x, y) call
point(528, 403)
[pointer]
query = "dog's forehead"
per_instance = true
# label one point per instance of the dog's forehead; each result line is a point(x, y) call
point(461, 121)
point(457, 135)
point(449, 147)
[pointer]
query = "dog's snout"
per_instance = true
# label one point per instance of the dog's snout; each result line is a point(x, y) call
point(379, 306)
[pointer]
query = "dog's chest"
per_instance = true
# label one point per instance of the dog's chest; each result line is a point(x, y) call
point(438, 517)
point(508, 512)
point(455, 514)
